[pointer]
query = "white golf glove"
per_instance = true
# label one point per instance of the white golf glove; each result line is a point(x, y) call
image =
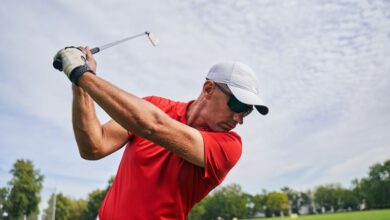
point(73, 62)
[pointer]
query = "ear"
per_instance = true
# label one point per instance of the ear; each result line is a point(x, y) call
point(208, 89)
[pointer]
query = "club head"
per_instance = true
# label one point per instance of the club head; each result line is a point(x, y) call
point(152, 39)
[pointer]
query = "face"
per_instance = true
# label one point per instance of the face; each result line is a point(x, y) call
point(224, 113)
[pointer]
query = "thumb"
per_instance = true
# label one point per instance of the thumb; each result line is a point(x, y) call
point(88, 52)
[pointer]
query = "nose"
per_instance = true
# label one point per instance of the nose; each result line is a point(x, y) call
point(239, 118)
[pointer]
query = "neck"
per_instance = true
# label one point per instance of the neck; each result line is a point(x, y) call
point(194, 114)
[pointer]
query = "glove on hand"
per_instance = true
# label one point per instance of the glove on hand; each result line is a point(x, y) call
point(73, 62)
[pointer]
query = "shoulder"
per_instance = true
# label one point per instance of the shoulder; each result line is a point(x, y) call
point(223, 138)
point(222, 152)
point(160, 101)
point(168, 106)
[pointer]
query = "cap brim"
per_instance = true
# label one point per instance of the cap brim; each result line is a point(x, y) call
point(249, 98)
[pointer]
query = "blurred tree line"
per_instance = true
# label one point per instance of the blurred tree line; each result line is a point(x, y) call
point(372, 192)
point(21, 197)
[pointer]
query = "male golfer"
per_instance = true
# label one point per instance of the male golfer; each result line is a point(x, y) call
point(176, 153)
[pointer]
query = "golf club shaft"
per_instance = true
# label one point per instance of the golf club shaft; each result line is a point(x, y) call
point(97, 49)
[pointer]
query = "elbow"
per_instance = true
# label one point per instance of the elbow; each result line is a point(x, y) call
point(147, 132)
point(89, 153)
point(148, 128)
point(151, 131)
point(145, 125)
point(89, 156)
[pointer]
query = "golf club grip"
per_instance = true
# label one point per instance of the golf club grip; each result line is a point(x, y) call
point(95, 50)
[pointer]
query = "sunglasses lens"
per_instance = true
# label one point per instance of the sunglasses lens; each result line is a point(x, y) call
point(239, 107)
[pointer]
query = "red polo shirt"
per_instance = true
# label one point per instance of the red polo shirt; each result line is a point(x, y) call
point(154, 183)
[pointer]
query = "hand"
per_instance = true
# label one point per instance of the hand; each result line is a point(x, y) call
point(90, 59)
point(73, 62)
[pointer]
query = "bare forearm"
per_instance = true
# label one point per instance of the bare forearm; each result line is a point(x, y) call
point(132, 113)
point(86, 126)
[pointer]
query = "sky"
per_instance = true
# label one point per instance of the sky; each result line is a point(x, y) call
point(322, 65)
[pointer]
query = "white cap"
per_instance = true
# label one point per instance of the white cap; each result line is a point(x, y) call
point(241, 80)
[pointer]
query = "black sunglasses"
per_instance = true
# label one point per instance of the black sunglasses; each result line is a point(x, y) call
point(234, 104)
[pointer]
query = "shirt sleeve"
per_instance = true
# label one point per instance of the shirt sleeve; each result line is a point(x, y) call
point(152, 99)
point(222, 151)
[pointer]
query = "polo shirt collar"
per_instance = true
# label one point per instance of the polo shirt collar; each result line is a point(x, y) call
point(182, 111)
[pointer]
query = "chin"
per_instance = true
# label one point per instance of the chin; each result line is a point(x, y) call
point(217, 129)
point(222, 129)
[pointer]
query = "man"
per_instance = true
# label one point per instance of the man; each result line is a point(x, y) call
point(176, 153)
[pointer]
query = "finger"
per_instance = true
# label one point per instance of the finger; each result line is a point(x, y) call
point(82, 49)
point(88, 51)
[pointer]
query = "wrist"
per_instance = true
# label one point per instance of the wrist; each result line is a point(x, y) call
point(85, 79)
point(78, 72)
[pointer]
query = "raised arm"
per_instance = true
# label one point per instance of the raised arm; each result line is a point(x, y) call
point(94, 140)
point(144, 119)
point(130, 112)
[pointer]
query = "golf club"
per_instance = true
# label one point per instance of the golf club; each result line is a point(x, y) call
point(151, 37)
point(57, 63)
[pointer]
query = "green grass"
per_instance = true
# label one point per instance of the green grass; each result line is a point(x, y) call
point(362, 215)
